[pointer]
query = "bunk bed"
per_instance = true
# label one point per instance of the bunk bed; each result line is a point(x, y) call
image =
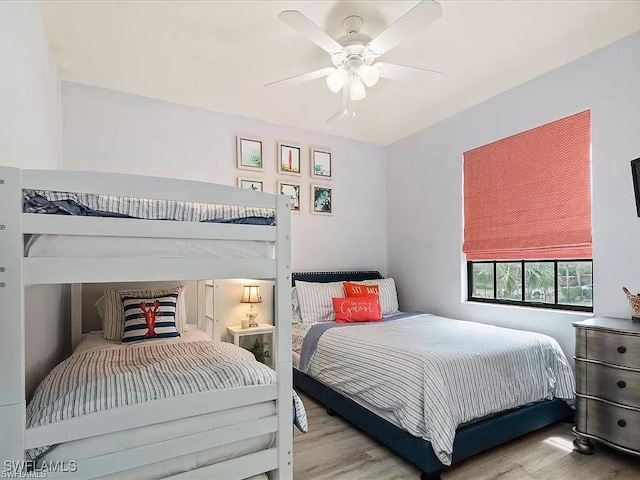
point(39, 248)
point(382, 424)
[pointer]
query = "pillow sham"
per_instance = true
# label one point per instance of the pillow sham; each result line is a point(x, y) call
point(357, 309)
point(149, 318)
point(113, 324)
point(387, 294)
point(316, 300)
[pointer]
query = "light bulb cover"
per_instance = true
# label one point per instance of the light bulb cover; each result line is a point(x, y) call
point(357, 90)
point(336, 80)
point(369, 74)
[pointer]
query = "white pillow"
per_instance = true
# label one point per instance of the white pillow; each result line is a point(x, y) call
point(387, 294)
point(113, 323)
point(100, 307)
point(295, 307)
point(316, 300)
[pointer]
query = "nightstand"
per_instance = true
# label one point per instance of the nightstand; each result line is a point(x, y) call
point(263, 329)
point(607, 384)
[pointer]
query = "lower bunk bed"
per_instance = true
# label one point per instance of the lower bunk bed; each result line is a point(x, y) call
point(103, 376)
point(433, 390)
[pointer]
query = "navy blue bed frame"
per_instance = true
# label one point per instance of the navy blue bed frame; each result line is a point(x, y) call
point(470, 439)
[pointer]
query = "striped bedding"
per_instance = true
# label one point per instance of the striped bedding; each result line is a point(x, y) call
point(298, 332)
point(100, 379)
point(435, 374)
point(87, 204)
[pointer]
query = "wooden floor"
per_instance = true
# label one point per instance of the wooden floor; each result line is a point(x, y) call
point(333, 449)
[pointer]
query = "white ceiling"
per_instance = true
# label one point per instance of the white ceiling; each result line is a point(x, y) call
point(218, 55)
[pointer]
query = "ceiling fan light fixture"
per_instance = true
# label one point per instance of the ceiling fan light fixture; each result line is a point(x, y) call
point(369, 75)
point(356, 89)
point(336, 80)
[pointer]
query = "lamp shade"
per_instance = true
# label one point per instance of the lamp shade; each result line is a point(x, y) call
point(251, 294)
point(337, 79)
point(357, 90)
point(369, 75)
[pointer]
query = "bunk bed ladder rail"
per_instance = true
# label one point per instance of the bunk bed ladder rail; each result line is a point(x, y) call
point(12, 403)
point(282, 321)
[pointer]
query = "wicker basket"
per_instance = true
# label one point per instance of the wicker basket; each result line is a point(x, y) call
point(634, 301)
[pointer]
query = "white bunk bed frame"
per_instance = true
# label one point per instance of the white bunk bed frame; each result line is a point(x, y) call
point(18, 271)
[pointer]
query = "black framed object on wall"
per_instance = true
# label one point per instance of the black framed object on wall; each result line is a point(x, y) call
point(635, 172)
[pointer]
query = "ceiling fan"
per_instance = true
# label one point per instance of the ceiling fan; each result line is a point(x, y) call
point(354, 55)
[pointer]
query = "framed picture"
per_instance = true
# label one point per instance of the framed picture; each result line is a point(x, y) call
point(321, 200)
point(288, 159)
point(293, 190)
point(249, 154)
point(251, 184)
point(320, 163)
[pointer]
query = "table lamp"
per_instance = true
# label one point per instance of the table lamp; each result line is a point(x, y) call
point(251, 295)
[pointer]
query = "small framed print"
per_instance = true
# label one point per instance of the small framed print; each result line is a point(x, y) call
point(293, 191)
point(251, 184)
point(249, 154)
point(321, 200)
point(289, 159)
point(320, 163)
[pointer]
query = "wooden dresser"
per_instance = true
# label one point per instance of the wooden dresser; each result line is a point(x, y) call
point(607, 384)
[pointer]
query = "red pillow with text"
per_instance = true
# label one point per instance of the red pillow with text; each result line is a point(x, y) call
point(357, 309)
point(360, 290)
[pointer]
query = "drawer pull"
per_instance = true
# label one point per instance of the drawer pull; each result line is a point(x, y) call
point(622, 349)
point(622, 384)
point(622, 423)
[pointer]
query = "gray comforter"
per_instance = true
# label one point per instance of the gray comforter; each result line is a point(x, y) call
point(434, 374)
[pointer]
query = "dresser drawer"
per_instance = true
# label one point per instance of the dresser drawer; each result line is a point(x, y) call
point(615, 348)
point(615, 424)
point(610, 383)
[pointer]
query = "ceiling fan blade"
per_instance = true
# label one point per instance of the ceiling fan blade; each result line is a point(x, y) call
point(306, 27)
point(402, 72)
point(418, 17)
point(304, 77)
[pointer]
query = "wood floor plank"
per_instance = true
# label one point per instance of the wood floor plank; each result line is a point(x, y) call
point(335, 450)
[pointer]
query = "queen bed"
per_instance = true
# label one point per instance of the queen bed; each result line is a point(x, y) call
point(434, 390)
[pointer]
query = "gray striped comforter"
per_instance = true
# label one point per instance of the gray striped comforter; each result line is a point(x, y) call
point(98, 380)
point(435, 374)
point(144, 208)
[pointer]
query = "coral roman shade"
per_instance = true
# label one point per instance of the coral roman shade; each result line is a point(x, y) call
point(528, 197)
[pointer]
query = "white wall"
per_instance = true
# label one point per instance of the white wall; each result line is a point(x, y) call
point(30, 137)
point(425, 172)
point(47, 331)
point(29, 90)
point(110, 131)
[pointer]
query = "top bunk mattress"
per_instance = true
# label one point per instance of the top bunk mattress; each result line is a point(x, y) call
point(94, 205)
point(81, 246)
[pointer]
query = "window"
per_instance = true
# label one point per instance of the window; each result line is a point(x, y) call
point(563, 284)
point(527, 214)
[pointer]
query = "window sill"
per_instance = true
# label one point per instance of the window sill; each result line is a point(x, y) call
point(556, 311)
